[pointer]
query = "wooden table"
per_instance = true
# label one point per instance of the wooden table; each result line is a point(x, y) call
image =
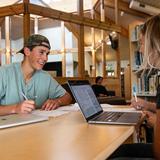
point(67, 137)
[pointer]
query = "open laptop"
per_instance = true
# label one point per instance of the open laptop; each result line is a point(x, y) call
point(19, 119)
point(91, 109)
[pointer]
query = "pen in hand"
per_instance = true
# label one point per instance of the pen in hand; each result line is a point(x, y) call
point(29, 106)
point(135, 96)
point(24, 96)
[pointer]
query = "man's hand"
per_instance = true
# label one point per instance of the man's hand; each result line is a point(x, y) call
point(26, 106)
point(51, 104)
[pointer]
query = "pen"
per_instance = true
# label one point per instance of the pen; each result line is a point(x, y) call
point(134, 93)
point(135, 96)
point(24, 96)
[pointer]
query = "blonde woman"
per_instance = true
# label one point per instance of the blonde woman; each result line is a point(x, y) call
point(150, 46)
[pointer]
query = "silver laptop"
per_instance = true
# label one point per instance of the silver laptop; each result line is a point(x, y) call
point(19, 119)
point(91, 109)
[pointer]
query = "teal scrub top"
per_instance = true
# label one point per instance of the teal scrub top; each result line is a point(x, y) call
point(40, 87)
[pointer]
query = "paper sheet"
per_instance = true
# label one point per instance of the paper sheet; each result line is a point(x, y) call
point(58, 112)
point(53, 113)
point(73, 107)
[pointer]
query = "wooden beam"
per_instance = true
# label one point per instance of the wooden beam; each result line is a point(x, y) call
point(11, 10)
point(72, 28)
point(102, 11)
point(81, 59)
point(124, 6)
point(116, 11)
point(93, 47)
point(78, 19)
point(7, 40)
point(124, 32)
point(63, 49)
point(117, 51)
point(26, 21)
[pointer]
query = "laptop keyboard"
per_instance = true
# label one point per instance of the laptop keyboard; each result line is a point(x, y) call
point(108, 116)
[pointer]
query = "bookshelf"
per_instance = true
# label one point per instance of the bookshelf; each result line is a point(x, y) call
point(145, 85)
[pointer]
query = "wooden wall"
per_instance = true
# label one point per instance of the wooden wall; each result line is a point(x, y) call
point(109, 83)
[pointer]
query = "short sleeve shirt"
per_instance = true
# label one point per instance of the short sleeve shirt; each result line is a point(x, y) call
point(40, 87)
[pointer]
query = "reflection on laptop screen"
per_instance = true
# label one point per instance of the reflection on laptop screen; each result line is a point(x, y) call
point(86, 99)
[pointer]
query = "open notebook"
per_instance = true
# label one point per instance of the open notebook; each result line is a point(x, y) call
point(91, 109)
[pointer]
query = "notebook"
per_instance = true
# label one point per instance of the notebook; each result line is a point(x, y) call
point(19, 119)
point(91, 109)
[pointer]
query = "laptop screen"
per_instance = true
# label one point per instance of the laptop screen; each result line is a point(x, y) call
point(86, 99)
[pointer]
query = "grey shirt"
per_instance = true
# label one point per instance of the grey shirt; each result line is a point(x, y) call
point(40, 87)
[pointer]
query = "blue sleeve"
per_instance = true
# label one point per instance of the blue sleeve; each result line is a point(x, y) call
point(55, 89)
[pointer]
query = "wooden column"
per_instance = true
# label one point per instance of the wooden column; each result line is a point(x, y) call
point(63, 49)
point(93, 48)
point(117, 51)
point(26, 21)
point(7, 40)
point(103, 43)
point(81, 67)
point(35, 25)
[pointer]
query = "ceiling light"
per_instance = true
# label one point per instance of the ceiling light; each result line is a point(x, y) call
point(108, 43)
point(122, 13)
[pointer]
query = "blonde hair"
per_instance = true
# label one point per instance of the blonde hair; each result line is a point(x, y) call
point(151, 33)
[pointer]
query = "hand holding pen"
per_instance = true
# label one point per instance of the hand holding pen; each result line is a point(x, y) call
point(26, 106)
point(136, 105)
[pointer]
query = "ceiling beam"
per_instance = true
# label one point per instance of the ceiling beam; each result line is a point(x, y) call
point(55, 14)
point(59, 15)
point(124, 6)
point(124, 32)
point(72, 28)
point(11, 10)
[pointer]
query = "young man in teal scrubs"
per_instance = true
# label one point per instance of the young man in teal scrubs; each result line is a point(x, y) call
point(25, 86)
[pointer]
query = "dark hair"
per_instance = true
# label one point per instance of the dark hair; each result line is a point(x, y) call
point(98, 78)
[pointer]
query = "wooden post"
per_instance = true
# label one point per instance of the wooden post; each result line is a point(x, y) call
point(93, 48)
point(117, 51)
point(7, 40)
point(81, 67)
point(26, 21)
point(103, 47)
point(63, 49)
point(35, 25)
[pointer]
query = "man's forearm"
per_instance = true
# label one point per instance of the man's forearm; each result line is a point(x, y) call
point(65, 100)
point(9, 109)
